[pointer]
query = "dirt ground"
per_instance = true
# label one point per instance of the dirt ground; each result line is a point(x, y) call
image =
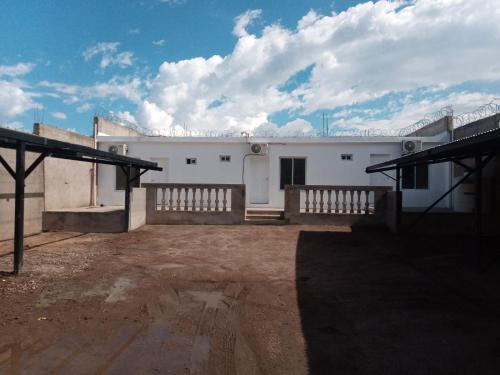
point(248, 300)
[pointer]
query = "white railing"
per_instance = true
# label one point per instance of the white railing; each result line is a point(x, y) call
point(337, 199)
point(195, 203)
point(193, 197)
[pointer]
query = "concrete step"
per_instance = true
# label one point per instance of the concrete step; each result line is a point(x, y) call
point(263, 217)
point(253, 221)
point(265, 213)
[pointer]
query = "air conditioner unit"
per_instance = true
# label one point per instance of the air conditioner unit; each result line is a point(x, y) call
point(411, 146)
point(258, 148)
point(119, 149)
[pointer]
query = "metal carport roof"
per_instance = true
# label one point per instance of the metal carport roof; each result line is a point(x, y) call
point(23, 142)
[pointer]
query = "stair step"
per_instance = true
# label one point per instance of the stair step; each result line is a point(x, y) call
point(264, 221)
point(264, 216)
point(265, 213)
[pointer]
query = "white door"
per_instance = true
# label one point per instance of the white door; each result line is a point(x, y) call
point(257, 179)
point(379, 179)
point(156, 176)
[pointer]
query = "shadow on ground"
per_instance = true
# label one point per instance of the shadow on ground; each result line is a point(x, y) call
point(372, 303)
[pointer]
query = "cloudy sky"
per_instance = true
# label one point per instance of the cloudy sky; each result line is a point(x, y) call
point(263, 66)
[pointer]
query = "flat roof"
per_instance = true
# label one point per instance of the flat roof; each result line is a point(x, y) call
point(65, 150)
point(269, 140)
point(486, 143)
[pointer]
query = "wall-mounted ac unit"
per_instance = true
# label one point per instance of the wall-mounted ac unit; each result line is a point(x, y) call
point(409, 146)
point(259, 148)
point(119, 149)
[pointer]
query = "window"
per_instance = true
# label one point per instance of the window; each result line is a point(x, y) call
point(121, 179)
point(292, 172)
point(226, 158)
point(416, 177)
point(346, 157)
point(191, 161)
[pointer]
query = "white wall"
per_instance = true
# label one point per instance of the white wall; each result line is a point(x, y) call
point(323, 166)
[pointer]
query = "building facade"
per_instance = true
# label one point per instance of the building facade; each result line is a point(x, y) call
point(281, 161)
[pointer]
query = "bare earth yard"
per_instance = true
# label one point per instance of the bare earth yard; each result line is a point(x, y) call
point(248, 300)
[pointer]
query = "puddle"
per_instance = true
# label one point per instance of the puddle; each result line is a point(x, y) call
point(114, 294)
point(119, 290)
point(166, 266)
point(214, 300)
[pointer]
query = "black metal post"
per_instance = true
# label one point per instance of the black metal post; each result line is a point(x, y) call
point(19, 208)
point(127, 199)
point(479, 211)
point(399, 199)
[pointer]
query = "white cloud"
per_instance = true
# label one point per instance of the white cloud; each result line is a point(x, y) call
point(295, 128)
point(409, 111)
point(15, 125)
point(173, 3)
point(128, 88)
point(135, 31)
point(15, 99)
point(109, 55)
point(155, 117)
point(19, 69)
point(360, 54)
point(85, 107)
point(159, 43)
point(59, 115)
point(244, 20)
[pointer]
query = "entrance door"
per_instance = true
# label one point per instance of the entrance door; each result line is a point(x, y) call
point(257, 179)
point(156, 176)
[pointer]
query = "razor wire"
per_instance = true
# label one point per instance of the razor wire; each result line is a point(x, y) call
point(465, 118)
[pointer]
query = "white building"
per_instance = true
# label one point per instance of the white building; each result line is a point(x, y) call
point(312, 161)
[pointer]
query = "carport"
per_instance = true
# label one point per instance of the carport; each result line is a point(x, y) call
point(481, 148)
point(24, 142)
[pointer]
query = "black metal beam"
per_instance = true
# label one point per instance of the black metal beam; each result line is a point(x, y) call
point(399, 200)
point(466, 167)
point(127, 199)
point(477, 170)
point(60, 149)
point(388, 176)
point(19, 208)
point(479, 211)
point(33, 165)
point(139, 175)
point(7, 167)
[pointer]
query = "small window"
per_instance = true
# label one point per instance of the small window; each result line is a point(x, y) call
point(121, 179)
point(292, 172)
point(191, 161)
point(416, 177)
point(346, 157)
point(225, 158)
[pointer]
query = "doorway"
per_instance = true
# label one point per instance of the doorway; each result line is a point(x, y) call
point(257, 179)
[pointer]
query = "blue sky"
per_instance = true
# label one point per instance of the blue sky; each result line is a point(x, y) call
point(263, 66)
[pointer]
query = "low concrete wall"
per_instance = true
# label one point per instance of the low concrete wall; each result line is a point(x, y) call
point(137, 208)
point(91, 220)
point(293, 215)
point(476, 127)
point(236, 215)
point(443, 125)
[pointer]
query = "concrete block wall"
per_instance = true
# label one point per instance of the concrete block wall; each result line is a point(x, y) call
point(67, 183)
point(54, 184)
point(34, 201)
